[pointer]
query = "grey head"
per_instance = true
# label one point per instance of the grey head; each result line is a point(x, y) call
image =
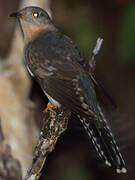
point(33, 20)
point(33, 14)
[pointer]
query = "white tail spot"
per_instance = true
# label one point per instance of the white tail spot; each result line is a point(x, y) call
point(108, 163)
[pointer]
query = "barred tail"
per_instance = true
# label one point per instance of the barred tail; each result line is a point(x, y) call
point(104, 142)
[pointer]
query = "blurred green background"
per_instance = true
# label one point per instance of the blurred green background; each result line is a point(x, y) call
point(84, 22)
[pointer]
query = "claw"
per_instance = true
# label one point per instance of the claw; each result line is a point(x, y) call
point(49, 108)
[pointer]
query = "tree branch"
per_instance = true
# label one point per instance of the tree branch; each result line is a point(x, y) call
point(53, 125)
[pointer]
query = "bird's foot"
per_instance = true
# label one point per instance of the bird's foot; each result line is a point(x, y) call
point(50, 108)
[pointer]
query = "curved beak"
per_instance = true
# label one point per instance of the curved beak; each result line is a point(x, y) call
point(16, 15)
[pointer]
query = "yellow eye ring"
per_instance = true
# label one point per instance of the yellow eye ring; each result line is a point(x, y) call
point(35, 14)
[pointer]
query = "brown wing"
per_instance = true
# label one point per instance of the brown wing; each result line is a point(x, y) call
point(66, 84)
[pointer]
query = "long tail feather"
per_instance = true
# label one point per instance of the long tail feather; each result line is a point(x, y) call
point(104, 142)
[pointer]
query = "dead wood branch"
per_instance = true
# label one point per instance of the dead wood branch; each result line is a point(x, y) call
point(53, 126)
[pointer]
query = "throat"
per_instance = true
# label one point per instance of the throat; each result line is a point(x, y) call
point(31, 34)
point(31, 31)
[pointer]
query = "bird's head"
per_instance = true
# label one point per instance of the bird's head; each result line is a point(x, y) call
point(33, 20)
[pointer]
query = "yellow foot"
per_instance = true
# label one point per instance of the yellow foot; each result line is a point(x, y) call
point(49, 108)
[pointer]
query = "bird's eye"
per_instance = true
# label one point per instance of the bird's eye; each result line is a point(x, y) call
point(35, 14)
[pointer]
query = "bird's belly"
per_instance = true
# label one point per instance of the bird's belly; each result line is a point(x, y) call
point(53, 101)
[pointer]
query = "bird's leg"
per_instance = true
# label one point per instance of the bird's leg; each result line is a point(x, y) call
point(50, 107)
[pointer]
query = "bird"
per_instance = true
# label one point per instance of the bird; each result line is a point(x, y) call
point(56, 63)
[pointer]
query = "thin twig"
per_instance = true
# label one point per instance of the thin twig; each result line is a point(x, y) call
point(92, 61)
